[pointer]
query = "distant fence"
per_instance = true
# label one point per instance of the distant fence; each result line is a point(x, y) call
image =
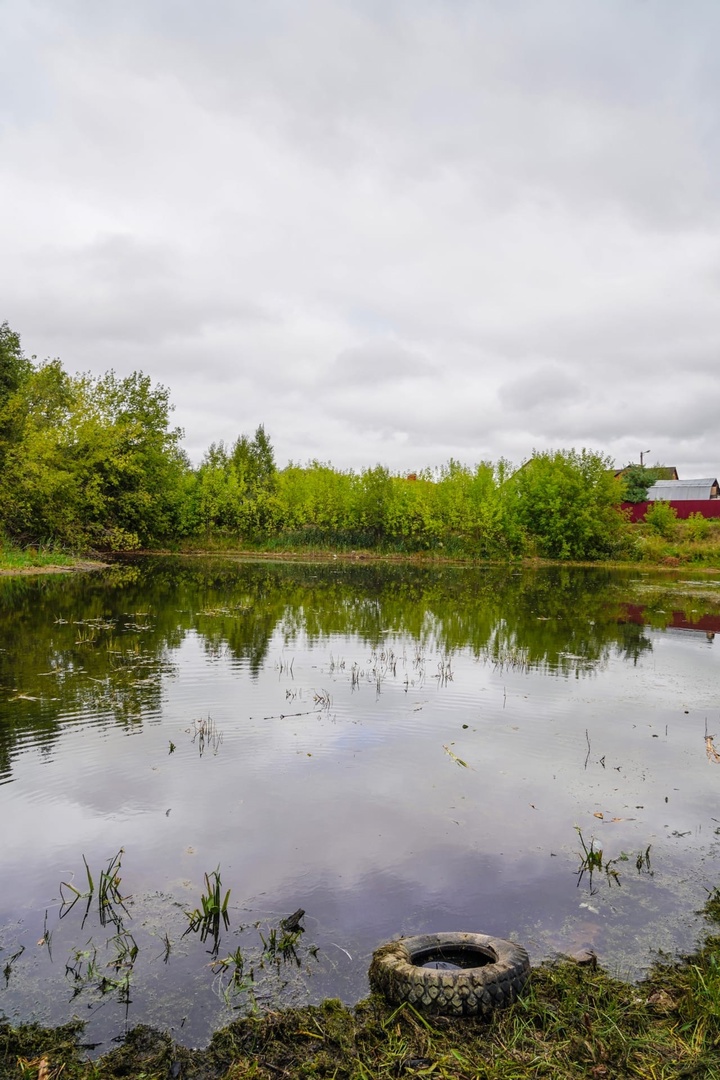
point(709, 508)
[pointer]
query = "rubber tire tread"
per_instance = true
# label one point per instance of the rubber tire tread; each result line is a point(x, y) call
point(475, 991)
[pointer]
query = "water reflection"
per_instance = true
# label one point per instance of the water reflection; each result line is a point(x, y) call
point(100, 645)
point(392, 749)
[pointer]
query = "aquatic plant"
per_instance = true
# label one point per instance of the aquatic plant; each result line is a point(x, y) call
point(109, 897)
point(281, 941)
point(110, 901)
point(240, 981)
point(8, 966)
point(591, 859)
point(206, 733)
point(212, 911)
point(46, 939)
point(83, 968)
point(68, 904)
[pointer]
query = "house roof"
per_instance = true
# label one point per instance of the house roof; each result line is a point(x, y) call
point(680, 490)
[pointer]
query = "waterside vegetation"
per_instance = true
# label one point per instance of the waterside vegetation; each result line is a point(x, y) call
point(576, 1021)
point(93, 464)
point(14, 559)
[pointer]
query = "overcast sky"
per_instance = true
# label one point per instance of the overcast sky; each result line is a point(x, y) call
point(392, 231)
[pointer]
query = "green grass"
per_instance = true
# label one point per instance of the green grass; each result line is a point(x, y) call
point(15, 558)
point(682, 543)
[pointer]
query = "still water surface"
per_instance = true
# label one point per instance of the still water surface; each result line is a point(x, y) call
point(395, 750)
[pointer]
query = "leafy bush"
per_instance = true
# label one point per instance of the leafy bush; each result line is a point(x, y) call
point(662, 517)
point(697, 527)
point(651, 547)
point(568, 502)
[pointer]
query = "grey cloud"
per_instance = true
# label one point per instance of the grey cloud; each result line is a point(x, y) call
point(391, 233)
point(377, 363)
point(527, 96)
point(549, 385)
point(565, 105)
point(123, 291)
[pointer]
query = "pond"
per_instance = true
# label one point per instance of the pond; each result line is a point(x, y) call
point(391, 749)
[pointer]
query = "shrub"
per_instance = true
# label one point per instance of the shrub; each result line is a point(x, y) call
point(662, 517)
point(697, 527)
point(567, 502)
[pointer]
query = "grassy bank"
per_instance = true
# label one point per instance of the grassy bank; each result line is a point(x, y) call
point(669, 542)
point(39, 560)
point(650, 552)
point(574, 1022)
point(681, 545)
point(14, 559)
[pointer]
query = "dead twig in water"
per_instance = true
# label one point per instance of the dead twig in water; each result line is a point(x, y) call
point(456, 759)
point(284, 716)
point(712, 754)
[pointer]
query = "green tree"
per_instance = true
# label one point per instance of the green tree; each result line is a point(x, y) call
point(14, 367)
point(253, 464)
point(127, 456)
point(39, 493)
point(568, 504)
point(373, 493)
point(92, 461)
point(220, 491)
point(637, 479)
point(254, 461)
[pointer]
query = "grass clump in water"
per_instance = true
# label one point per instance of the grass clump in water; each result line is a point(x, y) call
point(214, 909)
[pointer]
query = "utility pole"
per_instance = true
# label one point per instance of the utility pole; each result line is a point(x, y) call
point(642, 455)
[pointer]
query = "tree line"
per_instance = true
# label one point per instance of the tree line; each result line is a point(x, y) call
point(94, 463)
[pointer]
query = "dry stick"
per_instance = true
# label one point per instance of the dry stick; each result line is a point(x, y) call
point(283, 716)
point(588, 742)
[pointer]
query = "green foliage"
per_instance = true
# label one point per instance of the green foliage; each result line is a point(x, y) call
point(88, 461)
point(14, 370)
point(562, 505)
point(637, 479)
point(697, 527)
point(207, 918)
point(15, 558)
point(662, 517)
point(14, 367)
point(254, 461)
point(567, 502)
point(92, 462)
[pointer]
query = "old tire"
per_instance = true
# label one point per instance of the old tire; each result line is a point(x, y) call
point(481, 974)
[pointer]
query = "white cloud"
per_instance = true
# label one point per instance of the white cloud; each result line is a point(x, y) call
point(394, 233)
